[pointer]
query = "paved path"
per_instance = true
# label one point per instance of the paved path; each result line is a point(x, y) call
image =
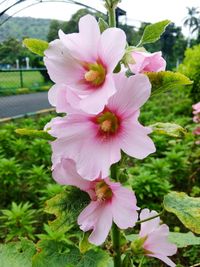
point(21, 104)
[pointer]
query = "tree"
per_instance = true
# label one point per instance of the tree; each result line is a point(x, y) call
point(192, 22)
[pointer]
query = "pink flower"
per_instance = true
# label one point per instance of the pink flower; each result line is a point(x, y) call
point(95, 142)
point(147, 62)
point(155, 237)
point(84, 62)
point(197, 131)
point(196, 108)
point(109, 202)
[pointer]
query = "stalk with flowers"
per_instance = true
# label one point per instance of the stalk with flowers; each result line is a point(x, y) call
point(100, 85)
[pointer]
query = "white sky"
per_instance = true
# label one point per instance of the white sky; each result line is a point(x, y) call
point(142, 10)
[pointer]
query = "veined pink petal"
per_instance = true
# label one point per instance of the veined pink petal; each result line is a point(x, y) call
point(135, 140)
point(124, 208)
point(61, 66)
point(111, 47)
point(163, 258)
point(97, 100)
point(65, 173)
point(149, 226)
point(98, 217)
point(137, 88)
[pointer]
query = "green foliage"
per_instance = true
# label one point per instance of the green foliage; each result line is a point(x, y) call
point(36, 46)
point(35, 133)
point(59, 254)
point(18, 221)
point(166, 80)
point(170, 129)
point(153, 32)
point(186, 208)
point(103, 25)
point(66, 207)
point(17, 254)
point(191, 68)
point(184, 239)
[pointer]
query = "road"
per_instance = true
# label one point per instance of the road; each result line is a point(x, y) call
point(15, 105)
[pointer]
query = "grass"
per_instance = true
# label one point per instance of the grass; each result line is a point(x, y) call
point(11, 80)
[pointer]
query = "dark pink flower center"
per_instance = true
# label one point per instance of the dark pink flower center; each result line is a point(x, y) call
point(103, 191)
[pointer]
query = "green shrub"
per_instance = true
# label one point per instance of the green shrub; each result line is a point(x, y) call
point(191, 68)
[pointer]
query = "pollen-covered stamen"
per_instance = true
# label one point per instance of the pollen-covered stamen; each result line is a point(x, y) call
point(91, 75)
point(108, 122)
point(103, 191)
point(95, 73)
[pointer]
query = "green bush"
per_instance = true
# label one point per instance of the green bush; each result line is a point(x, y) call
point(191, 68)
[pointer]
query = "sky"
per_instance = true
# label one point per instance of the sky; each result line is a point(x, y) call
point(137, 10)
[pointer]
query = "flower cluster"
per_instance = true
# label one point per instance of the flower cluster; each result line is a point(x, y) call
point(102, 110)
point(196, 119)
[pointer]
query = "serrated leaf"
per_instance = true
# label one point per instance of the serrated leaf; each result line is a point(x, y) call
point(66, 206)
point(35, 133)
point(36, 46)
point(153, 32)
point(103, 25)
point(186, 208)
point(169, 129)
point(181, 240)
point(167, 80)
point(59, 254)
point(17, 254)
point(184, 239)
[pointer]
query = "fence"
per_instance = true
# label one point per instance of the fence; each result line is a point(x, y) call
point(23, 80)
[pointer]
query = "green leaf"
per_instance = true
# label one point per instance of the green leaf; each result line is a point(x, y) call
point(36, 46)
point(167, 80)
point(169, 129)
point(35, 133)
point(59, 254)
point(66, 206)
point(153, 32)
point(184, 239)
point(180, 239)
point(84, 244)
point(17, 254)
point(186, 208)
point(103, 25)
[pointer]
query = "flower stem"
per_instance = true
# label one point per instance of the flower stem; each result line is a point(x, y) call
point(111, 13)
point(150, 218)
point(141, 261)
point(116, 245)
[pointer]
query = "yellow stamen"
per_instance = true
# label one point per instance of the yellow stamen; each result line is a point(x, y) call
point(91, 75)
point(102, 191)
point(106, 126)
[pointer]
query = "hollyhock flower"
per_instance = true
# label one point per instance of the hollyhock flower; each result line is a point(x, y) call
point(110, 202)
point(147, 62)
point(155, 242)
point(84, 62)
point(196, 108)
point(95, 142)
point(197, 131)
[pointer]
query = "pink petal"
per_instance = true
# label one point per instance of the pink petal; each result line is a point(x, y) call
point(135, 140)
point(88, 37)
point(163, 258)
point(96, 216)
point(149, 226)
point(61, 97)
point(94, 103)
point(61, 66)
point(111, 47)
point(65, 173)
point(124, 208)
point(131, 93)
